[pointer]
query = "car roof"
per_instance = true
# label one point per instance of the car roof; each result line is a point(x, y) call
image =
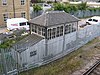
point(95, 17)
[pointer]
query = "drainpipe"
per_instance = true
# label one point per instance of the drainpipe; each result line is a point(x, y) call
point(30, 26)
point(14, 8)
point(27, 10)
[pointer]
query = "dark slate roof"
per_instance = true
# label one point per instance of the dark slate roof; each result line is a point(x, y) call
point(54, 18)
point(27, 42)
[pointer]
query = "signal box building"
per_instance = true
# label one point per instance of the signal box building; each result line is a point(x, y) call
point(50, 34)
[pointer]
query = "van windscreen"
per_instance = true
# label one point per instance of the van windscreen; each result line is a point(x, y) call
point(22, 24)
point(90, 20)
point(28, 23)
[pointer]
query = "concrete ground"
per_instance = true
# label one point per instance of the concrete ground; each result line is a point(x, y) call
point(3, 30)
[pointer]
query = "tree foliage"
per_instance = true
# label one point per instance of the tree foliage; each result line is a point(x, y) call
point(66, 7)
point(83, 6)
point(58, 6)
point(37, 1)
point(36, 7)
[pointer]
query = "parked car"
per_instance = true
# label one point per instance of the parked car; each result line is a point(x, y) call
point(45, 6)
point(93, 20)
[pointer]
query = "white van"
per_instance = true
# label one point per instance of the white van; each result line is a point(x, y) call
point(93, 20)
point(17, 23)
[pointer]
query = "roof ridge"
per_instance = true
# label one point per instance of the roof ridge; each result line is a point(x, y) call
point(71, 15)
point(46, 19)
point(38, 16)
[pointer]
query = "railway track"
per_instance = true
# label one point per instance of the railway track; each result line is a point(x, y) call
point(94, 70)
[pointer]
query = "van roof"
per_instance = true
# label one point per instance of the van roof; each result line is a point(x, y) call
point(17, 20)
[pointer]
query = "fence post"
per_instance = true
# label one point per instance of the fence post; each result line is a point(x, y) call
point(3, 62)
point(17, 60)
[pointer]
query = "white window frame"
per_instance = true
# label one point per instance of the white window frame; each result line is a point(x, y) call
point(61, 30)
point(70, 28)
point(22, 2)
point(36, 29)
point(53, 32)
point(4, 2)
point(74, 27)
point(5, 16)
point(39, 30)
point(43, 31)
point(66, 29)
point(33, 28)
point(23, 14)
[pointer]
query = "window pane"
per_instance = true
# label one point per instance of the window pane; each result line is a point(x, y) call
point(22, 2)
point(58, 30)
point(90, 20)
point(43, 31)
point(23, 14)
point(4, 2)
point(53, 32)
point(61, 30)
point(35, 29)
point(5, 17)
point(50, 33)
point(22, 24)
point(70, 28)
point(66, 29)
point(74, 26)
point(33, 53)
point(28, 23)
point(39, 30)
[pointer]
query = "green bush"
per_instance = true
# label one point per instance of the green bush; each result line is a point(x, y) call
point(36, 7)
point(58, 6)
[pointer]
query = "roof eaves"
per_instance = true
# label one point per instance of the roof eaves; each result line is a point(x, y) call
point(38, 25)
point(61, 23)
point(45, 22)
